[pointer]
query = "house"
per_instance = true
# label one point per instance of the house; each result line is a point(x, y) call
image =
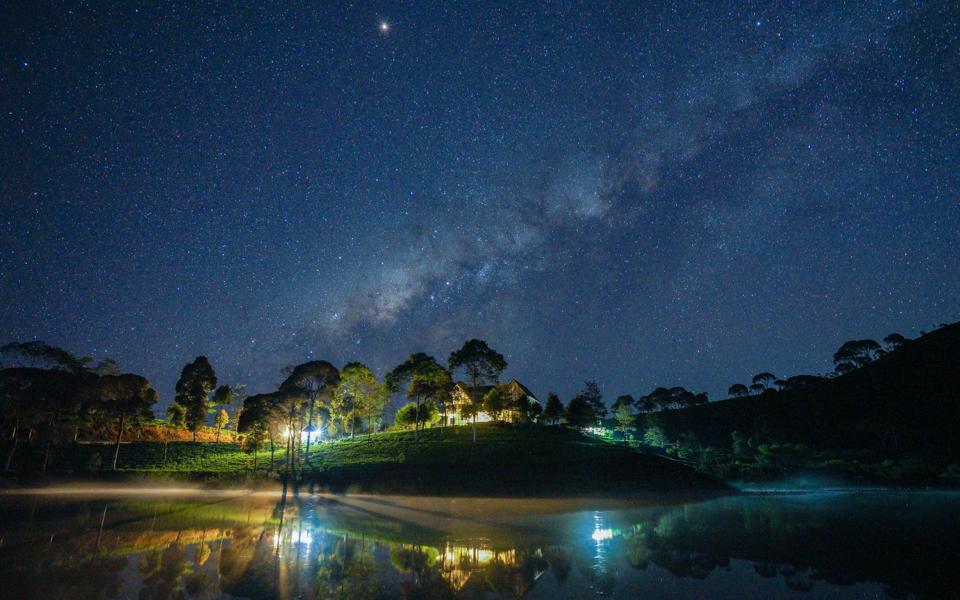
point(462, 394)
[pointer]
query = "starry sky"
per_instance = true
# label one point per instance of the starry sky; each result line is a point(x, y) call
point(644, 194)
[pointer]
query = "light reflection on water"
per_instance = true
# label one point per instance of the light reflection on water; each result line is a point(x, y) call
point(229, 544)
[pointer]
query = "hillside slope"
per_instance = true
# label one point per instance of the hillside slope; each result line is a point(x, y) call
point(505, 460)
point(906, 403)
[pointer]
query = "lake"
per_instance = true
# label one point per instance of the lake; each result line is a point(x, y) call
point(174, 543)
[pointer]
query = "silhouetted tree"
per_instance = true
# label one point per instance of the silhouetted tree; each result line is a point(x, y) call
point(591, 393)
point(758, 388)
point(894, 341)
point(738, 390)
point(854, 354)
point(197, 380)
point(624, 400)
point(424, 378)
point(625, 417)
point(307, 384)
point(124, 396)
point(408, 413)
point(482, 364)
point(579, 412)
point(553, 411)
point(765, 379)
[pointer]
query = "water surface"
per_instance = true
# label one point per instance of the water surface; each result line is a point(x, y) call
point(187, 544)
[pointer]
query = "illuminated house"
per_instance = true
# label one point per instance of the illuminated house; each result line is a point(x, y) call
point(462, 394)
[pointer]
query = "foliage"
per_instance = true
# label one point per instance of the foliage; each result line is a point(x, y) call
point(407, 414)
point(553, 411)
point(579, 412)
point(197, 380)
point(481, 363)
point(358, 395)
point(495, 402)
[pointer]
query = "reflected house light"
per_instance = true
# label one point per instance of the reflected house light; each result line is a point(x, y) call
point(601, 535)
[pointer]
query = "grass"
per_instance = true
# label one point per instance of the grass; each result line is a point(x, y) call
point(504, 460)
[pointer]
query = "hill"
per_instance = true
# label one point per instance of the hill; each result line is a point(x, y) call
point(505, 460)
point(906, 403)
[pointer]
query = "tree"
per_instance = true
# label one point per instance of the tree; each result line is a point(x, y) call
point(122, 397)
point(738, 390)
point(854, 354)
point(407, 414)
point(495, 402)
point(424, 377)
point(624, 400)
point(222, 418)
point(591, 393)
point(653, 434)
point(310, 381)
point(758, 388)
point(625, 417)
point(197, 380)
point(553, 411)
point(358, 395)
point(258, 419)
point(40, 355)
point(481, 363)
point(177, 415)
point(894, 341)
point(579, 413)
point(764, 379)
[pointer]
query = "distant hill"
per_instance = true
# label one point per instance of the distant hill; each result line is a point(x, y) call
point(905, 403)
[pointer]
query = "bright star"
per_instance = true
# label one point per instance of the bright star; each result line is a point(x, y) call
point(384, 27)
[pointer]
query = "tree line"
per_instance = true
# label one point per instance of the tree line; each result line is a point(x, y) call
point(852, 355)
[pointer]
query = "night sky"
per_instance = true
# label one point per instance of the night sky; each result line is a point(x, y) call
point(638, 193)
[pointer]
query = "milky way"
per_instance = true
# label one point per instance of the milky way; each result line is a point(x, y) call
point(642, 196)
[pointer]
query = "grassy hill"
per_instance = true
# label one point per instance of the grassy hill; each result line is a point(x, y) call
point(505, 460)
point(906, 404)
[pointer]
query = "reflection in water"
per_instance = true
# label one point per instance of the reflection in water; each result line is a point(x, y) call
point(900, 545)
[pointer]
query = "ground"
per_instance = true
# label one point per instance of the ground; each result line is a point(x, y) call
point(505, 460)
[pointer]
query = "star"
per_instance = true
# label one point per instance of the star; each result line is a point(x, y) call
point(384, 27)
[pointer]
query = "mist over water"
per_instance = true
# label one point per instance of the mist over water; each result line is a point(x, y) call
point(177, 542)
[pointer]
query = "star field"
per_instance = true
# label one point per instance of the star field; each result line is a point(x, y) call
point(647, 195)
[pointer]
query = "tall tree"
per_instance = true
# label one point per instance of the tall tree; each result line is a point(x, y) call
point(894, 341)
point(359, 395)
point(122, 397)
point(591, 393)
point(222, 418)
point(424, 378)
point(553, 411)
point(765, 379)
point(197, 380)
point(482, 364)
point(310, 382)
point(579, 412)
point(623, 400)
point(625, 418)
point(738, 390)
point(854, 354)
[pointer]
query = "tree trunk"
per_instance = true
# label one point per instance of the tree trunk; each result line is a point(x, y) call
point(164, 462)
point(255, 460)
point(46, 459)
point(272, 448)
point(310, 424)
point(416, 423)
point(218, 433)
point(353, 423)
point(13, 448)
point(474, 428)
point(116, 450)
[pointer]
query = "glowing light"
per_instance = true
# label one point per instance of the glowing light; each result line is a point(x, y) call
point(601, 535)
point(384, 27)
